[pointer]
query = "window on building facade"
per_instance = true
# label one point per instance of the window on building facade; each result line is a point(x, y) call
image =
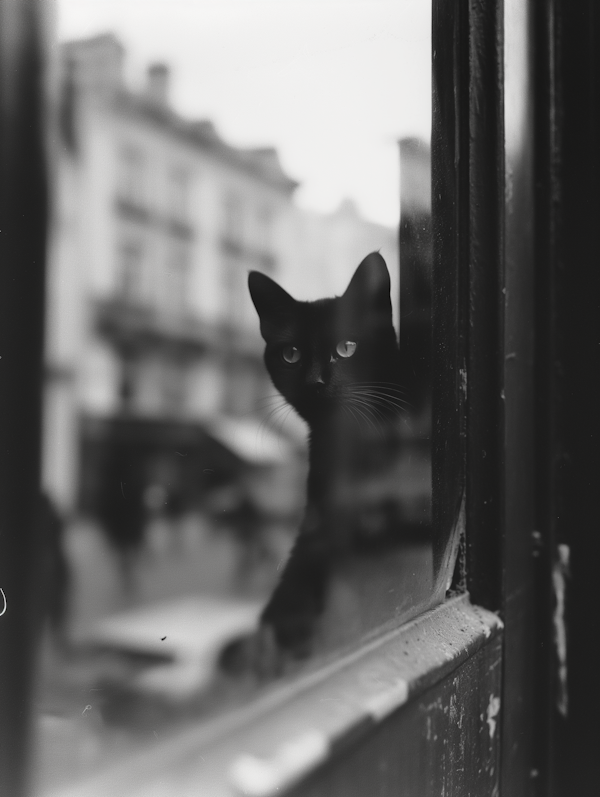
point(173, 298)
point(131, 272)
point(132, 177)
point(233, 219)
point(264, 230)
point(178, 188)
point(234, 287)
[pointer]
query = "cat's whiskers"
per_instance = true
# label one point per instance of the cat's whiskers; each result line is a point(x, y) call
point(356, 418)
point(390, 389)
point(269, 401)
point(284, 418)
point(376, 411)
point(379, 418)
point(388, 385)
point(277, 417)
point(382, 395)
point(271, 417)
point(382, 403)
point(269, 405)
point(384, 387)
point(368, 393)
point(363, 400)
point(362, 409)
point(265, 423)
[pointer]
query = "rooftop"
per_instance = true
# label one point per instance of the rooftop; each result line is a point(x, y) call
point(95, 65)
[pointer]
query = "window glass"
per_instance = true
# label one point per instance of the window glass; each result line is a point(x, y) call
point(255, 498)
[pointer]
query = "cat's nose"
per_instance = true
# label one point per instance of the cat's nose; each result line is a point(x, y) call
point(314, 377)
point(315, 387)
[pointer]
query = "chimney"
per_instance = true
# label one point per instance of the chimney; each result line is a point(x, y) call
point(94, 64)
point(157, 86)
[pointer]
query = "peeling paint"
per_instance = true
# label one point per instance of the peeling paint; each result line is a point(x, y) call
point(453, 709)
point(560, 574)
point(493, 710)
point(463, 380)
point(437, 704)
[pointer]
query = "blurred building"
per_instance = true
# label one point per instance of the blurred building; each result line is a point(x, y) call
point(156, 386)
point(150, 336)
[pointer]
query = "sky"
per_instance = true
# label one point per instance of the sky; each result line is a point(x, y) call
point(333, 84)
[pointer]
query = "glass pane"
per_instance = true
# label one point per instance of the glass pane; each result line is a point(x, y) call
point(238, 468)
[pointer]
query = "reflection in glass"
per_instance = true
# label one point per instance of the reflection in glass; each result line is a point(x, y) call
point(189, 563)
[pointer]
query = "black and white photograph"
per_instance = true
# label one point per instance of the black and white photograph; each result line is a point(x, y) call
point(299, 389)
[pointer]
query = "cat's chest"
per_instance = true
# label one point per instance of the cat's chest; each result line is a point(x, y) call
point(346, 462)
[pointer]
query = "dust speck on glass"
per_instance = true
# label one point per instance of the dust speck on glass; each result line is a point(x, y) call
point(237, 418)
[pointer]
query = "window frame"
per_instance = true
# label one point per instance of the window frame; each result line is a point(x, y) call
point(485, 91)
point(292, 735)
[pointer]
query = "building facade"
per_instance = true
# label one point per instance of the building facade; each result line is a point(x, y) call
point(154, 356)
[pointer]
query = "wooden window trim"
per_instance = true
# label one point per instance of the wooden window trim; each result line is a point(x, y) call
point(307, 722)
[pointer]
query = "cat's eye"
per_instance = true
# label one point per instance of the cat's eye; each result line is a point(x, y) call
point(291, 354)
point(345, 348)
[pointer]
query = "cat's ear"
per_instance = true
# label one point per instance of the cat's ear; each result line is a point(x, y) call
point(370, 285)
point(273, 304)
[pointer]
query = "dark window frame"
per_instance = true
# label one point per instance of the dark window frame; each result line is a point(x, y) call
point(23, 224)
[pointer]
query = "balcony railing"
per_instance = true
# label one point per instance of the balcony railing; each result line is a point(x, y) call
point(137, 325)
point(133, 210)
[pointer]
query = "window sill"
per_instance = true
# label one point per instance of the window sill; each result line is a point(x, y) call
point(265, 748)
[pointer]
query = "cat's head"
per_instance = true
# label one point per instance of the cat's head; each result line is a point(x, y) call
point(330, 353)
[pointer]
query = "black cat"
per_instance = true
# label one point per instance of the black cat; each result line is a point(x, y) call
point(336, 362)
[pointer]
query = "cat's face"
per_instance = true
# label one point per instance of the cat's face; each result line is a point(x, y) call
point(329, 353)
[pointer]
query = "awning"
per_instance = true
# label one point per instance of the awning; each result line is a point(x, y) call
point(250, 440)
